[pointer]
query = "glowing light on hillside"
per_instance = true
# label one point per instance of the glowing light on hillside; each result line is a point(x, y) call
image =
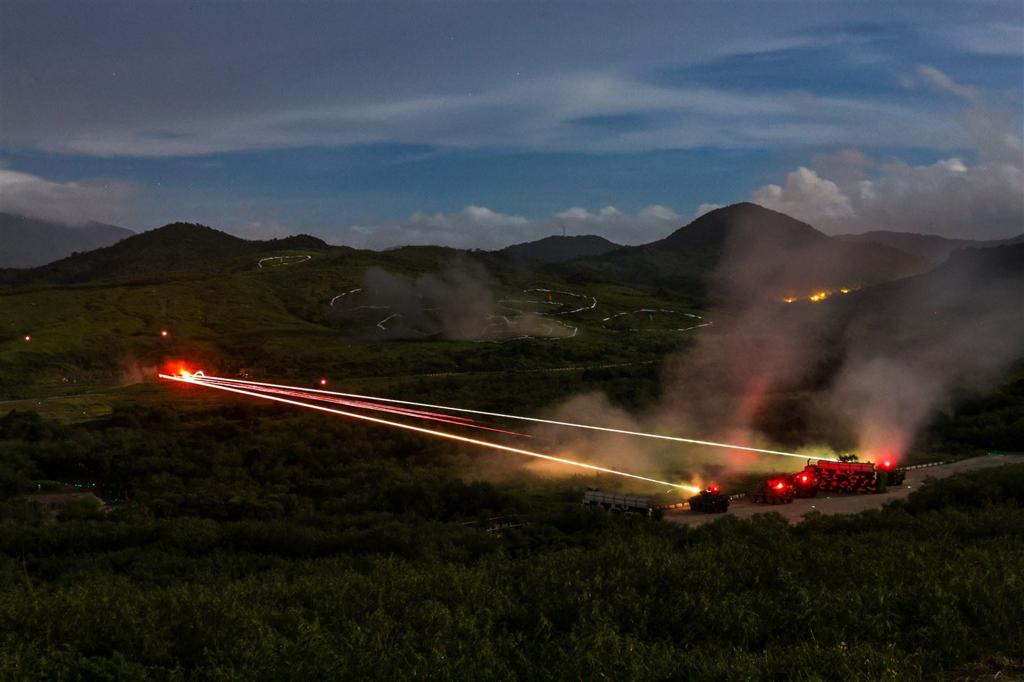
point(28, 337)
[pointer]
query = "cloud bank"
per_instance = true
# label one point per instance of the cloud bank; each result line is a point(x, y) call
point(65, 202)
point(850, 192)
point(483, 228)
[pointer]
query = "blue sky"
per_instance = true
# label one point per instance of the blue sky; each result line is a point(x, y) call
point(476, 124)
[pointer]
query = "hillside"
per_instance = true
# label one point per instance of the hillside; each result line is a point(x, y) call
point(558, 249)
point(930, 247)
point(30, 242)
point(745, 250)
point(178, 247)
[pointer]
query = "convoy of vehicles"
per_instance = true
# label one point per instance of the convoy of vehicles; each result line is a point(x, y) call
point(846, 476)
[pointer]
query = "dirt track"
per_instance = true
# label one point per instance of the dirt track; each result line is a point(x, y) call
point(846, 504)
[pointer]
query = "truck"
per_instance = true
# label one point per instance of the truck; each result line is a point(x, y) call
point(844, 476)
point(617, 502)
point(711, 500)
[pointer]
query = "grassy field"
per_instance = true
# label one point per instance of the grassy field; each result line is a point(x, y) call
point(86, 339)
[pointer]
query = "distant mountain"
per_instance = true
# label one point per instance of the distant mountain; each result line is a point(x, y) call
point(972, 300)
point(930, 247)
point(558, 249)
point(746, 250)
point(27, 242)
point(174, 248)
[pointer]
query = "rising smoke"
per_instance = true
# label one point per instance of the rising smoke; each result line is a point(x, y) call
point(865, 371)
point(876, 364)
point(457, 303)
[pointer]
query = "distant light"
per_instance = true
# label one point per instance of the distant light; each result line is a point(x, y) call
point(28, 337)
point(164, 333)
point(323, 382)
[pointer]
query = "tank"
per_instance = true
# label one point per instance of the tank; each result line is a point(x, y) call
point(711, 500)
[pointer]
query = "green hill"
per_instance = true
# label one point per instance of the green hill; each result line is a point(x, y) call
point(176, 248)
point(558, 249)
point(746, 250)
point(930, 247)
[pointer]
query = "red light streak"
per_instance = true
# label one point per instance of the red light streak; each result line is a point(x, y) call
point(204, 381)
point(640, 434)
point(403, 411)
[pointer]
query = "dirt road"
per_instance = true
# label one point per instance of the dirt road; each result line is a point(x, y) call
point(846, 504)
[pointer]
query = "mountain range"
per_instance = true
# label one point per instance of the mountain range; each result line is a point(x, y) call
point(930, 247)
point(28, 242)
point(742, 250)
point(745, 249)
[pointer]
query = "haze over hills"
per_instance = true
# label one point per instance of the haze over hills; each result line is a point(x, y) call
point(743, 248)
point(28, 242)
point(176, 247)
point(558, 248)
point(931, 247)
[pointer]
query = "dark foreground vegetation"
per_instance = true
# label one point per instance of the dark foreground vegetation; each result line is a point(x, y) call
point(247, 542)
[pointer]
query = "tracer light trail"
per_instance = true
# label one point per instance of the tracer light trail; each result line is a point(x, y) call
point(204, 381)
point(608, 429)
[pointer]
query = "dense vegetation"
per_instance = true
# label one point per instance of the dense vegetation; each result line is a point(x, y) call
point(254, 543)
point(160, 532)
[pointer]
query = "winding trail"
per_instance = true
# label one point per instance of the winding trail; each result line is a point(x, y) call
point(284, 260)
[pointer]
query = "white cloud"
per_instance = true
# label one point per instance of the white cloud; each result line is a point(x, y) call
point(948, 198)
point(940, 81)
point(542, 114)
point(704, 208)
point(997, 38)
point(849, 192)
point(64, 202)
point(482, 227)
point(807, 193)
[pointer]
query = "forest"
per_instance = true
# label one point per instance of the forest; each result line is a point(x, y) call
point(248, 542)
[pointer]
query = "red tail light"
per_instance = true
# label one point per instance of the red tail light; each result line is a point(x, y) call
point(714, 489)
point(780, 485)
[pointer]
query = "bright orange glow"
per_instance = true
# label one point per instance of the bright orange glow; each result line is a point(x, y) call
point(198, 378)
point(789, 299)
point(819, 296)
point(845, 290)
point(179, 368)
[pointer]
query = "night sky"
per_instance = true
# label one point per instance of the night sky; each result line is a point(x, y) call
point(482, 124)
